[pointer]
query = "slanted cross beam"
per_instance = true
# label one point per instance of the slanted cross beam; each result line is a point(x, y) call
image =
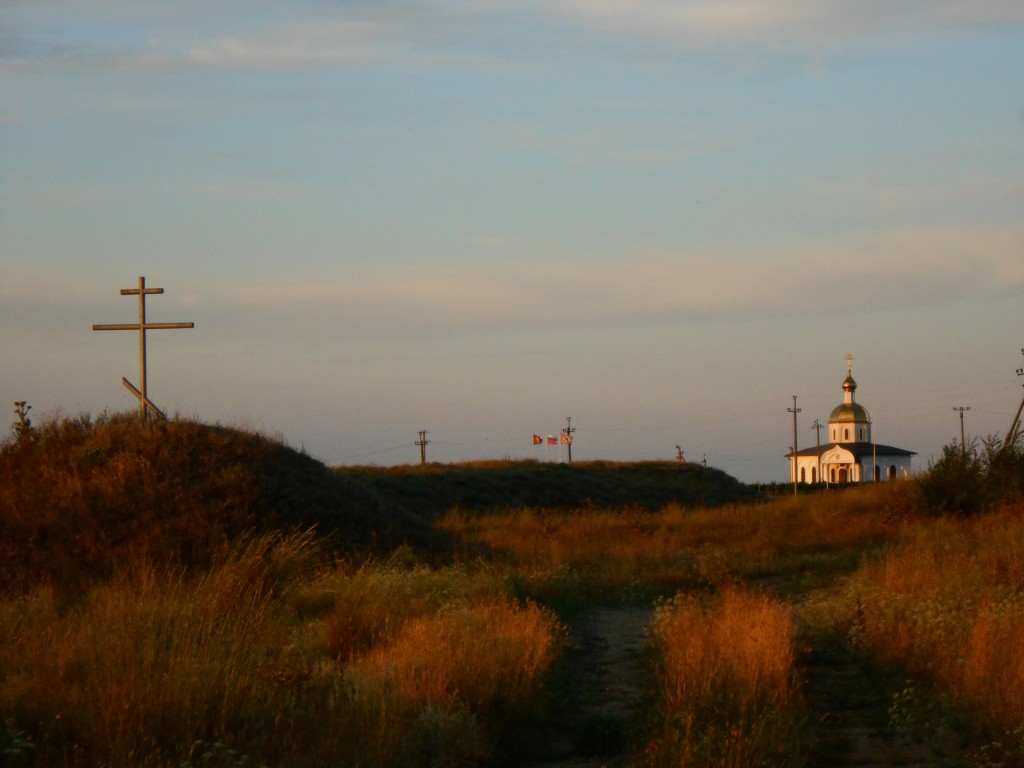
point(142, 326)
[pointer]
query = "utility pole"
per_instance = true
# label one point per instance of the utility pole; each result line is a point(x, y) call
point(794, 410)
point(679, 454)
point(145, 405)
point(961, 409)
point(567, 436)
point(817, 426)
point(422, 443)
point(1011, 435)
point(705, 461)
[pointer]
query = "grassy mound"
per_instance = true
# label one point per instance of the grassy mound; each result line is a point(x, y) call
point(431, 490)
point(81, 495)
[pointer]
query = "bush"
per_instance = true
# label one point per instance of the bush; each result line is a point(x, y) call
point(956, 482)
point(967, 481)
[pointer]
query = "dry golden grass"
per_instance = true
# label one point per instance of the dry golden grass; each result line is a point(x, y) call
point(729, 693)
point(145, 668)
point(947, 605)
point(494, 655)
point(604, 551)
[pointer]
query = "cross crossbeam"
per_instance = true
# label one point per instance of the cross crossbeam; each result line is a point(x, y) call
point(145, 404)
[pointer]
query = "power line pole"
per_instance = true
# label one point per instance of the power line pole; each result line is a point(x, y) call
point(794, 410)
point(679, 454)
point(569, 429)
point(422, 443)
point(145, 405)
point(961, 409)
point(817, 426)
point(1011, 435)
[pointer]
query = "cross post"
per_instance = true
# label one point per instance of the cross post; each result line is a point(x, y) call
point(145, 405)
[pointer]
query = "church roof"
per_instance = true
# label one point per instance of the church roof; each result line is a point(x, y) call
point(850, 412)
point(859, 450)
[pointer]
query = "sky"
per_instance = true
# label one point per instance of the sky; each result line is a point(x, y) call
point(659, 218)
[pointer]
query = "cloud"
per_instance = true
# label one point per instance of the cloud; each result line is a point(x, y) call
point(160, 35)
point(707, 24)
point(898, 269)
point(295, 45)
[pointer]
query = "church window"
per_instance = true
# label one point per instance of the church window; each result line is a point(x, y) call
point(846, 434)
point(862, 433)
point(803, 474)
point(814, 474)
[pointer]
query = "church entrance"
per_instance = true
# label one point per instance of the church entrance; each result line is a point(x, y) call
point(843, 475)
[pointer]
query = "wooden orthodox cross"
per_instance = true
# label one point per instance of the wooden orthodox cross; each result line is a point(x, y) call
point(145, 405)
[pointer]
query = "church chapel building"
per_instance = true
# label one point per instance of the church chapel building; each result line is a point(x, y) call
point(850, 456)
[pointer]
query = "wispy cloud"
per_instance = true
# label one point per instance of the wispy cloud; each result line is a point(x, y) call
point(262, 39)
point(903, 268)
point(706, 24)
point(296, 45)
point(455, 33)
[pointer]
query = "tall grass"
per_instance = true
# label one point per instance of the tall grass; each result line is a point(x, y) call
point(148, 666)
point(728, 683)
point(950, 604)
point(615, 552)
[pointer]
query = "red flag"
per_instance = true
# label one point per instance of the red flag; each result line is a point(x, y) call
point(537, 439)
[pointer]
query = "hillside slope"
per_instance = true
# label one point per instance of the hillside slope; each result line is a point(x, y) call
point(79, 496)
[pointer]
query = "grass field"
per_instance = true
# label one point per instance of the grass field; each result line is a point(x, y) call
point(184, 595)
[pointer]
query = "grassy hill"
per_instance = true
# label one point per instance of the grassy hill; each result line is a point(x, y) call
point(432, 489)
point(79, 496)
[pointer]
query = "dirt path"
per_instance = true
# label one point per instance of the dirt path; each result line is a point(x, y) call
point(850, 705)
point(599, 691)
point(605, 685)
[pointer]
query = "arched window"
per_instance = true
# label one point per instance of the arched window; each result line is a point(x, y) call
point(846, 434)
point(878, 472)
point(892, 472)
point(833, 474)
point(862, 434)
point(814, 474)
point(803, 474)
point(833, 434)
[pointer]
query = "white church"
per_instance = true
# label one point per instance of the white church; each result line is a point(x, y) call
point(851, 455)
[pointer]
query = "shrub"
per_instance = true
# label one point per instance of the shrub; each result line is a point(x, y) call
point(955, 483)
point(967, 481)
